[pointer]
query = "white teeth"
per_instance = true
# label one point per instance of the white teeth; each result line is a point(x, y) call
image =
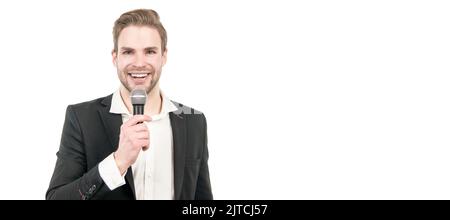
point(139, 75)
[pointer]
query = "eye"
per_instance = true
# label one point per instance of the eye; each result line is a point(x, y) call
point(150, 52)
point(126, 52)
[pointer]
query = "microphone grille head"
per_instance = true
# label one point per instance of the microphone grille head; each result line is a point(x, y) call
point(138, 96)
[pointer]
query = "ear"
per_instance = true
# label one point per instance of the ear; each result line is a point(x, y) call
point(164, 57)
point(114, 57)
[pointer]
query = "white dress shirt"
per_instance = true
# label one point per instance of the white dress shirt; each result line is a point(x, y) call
point(153, 170)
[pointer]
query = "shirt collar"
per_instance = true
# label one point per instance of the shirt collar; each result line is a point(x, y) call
point(118, 106)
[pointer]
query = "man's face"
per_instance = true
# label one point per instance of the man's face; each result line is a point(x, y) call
point(139, 59)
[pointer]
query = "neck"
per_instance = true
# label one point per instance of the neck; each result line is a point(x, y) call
point(153, 104)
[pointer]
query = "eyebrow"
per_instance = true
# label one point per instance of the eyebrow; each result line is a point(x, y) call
point(151, 48)
point(147, 48)
point(126, 48)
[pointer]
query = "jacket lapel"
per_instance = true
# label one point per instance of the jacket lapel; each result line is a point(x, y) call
point(178, 124)
point(112, 123)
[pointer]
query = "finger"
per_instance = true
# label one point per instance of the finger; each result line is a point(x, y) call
point(136, 119)
point(138, 143)
point(141, 135)
point(140, 128)
point(143, 143)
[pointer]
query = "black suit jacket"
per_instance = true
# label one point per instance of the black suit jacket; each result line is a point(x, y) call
point(91, 133)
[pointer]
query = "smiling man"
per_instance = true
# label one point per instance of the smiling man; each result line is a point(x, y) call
point(107, 153)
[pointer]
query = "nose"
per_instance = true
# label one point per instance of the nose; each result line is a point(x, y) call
point(139, 60)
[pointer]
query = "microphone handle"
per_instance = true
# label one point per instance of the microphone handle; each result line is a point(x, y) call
point(138, 109)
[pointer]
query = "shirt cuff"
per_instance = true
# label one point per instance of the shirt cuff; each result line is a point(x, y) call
point(110, 173)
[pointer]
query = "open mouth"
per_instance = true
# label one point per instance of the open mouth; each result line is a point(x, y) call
point(139, 77)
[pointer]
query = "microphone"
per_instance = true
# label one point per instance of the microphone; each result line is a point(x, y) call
point(138, 98)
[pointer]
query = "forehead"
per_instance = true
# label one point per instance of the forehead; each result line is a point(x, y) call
point(139, 37)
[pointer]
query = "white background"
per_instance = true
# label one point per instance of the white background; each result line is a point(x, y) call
point(304, 99)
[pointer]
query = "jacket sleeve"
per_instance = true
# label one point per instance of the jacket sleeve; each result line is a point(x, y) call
point(71, 179)
point(203, 191)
